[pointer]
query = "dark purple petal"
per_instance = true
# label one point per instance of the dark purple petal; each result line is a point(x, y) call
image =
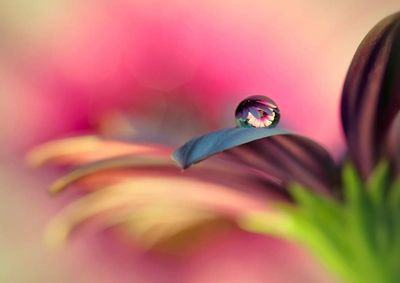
point(275, 155)
point(371, 94)
point(393, 143)
point(290, 158)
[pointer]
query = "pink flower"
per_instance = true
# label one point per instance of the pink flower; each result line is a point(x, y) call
point(134, 187)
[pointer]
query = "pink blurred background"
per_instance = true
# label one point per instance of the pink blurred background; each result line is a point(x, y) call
point(178, 68)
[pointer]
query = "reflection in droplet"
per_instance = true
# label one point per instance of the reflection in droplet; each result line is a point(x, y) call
point(257, 111)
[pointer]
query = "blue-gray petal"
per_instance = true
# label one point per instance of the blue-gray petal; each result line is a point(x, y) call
point(204, 146)
point(274, 153)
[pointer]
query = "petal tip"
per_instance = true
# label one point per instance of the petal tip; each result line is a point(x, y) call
point(177, 157)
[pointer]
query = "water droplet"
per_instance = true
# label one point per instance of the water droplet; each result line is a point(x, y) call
point(257, 111)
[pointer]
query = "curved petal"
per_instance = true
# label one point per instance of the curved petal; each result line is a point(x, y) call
point(118, 163)
point(204, 146)
point(283, 157)
point(102, 173)
point(371, 93)
point(84, 149)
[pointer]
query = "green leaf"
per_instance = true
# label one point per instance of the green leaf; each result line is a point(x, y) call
point(358, 237)
point(378, 183)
